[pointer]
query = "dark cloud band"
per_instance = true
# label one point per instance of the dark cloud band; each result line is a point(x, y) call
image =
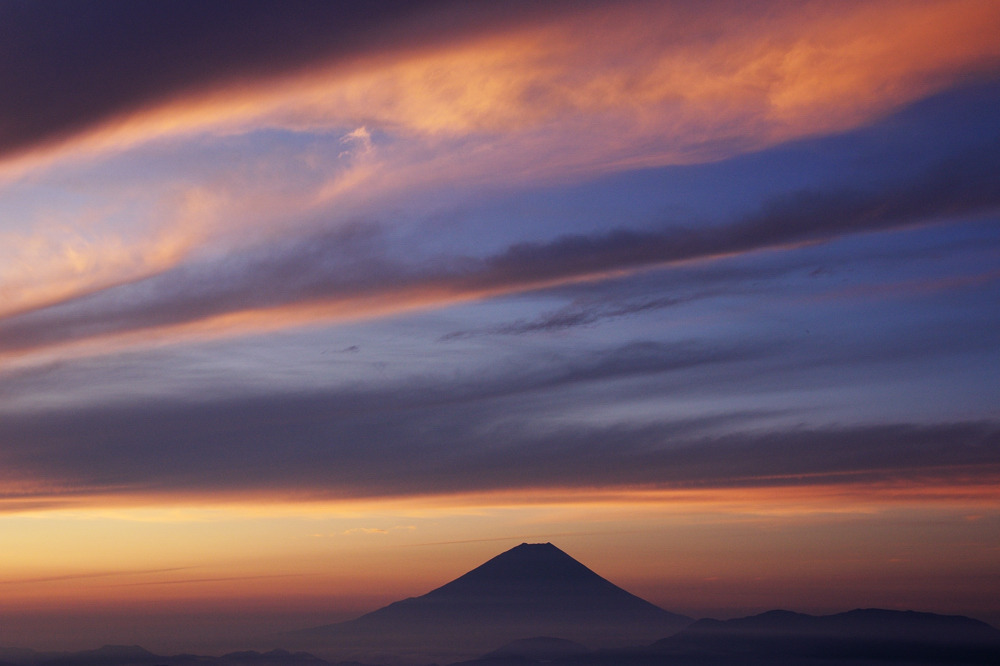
point(314, 447)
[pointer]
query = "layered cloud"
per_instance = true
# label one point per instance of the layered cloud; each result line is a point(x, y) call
point(202, 172)
point(355, 272)
point(644, 83)
point(473, 434)
point(396, 99)
point(83, 68)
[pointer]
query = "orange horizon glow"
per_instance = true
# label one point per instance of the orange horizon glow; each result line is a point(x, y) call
point(979, 488)
point(344, 554)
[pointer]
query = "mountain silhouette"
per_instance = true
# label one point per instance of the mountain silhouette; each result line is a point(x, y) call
point(530, 590)
point(864, 637)
point(864, 634)
point(109, 655)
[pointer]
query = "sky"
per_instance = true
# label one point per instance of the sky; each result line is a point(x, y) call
point(306, 307)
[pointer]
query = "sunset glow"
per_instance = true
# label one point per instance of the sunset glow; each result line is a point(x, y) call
point(307, 310)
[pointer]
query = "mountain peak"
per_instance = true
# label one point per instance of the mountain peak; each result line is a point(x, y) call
point(533, 550)
point(531, 589)
point(533, 569)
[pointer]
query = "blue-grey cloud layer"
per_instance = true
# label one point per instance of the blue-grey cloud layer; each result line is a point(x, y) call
point(356, 262)
point(473, 434)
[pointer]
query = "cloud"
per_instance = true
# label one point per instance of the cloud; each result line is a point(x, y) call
point(268, 441)
point(519, 537)
point(199, 581)
point(433, 94)
point(96, 574)
point(480, 432)
point(355, 271)
point(576, 314)
point(342, 446)
point(649, 83)
point(75, 67)
point(960, 186)
point(366, 530)
point(378, 530)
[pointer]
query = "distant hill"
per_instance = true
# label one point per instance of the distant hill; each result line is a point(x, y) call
point(109, 655)
point(530, 590)
point(865, 634)
point(868, 637)
point(858, 638)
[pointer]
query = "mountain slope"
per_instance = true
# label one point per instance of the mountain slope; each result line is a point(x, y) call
point(530, 590)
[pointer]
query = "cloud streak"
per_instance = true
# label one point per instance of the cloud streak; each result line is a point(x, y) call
point(96, 574)
point(571, 316)
point(643, 81)
point(477, 434)
point(477, 94)
point(66, 82)
point(354, 272)
point(313, 448)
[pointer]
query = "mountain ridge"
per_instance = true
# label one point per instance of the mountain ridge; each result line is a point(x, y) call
point(871, 634)
point(860, 637)
point(858, 623)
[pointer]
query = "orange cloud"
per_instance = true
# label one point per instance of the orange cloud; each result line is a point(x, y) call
point(646, 84)
point(980, 491)
point(602, 90)
point(41, 269)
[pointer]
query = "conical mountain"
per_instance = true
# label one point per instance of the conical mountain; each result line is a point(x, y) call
point(530, 590)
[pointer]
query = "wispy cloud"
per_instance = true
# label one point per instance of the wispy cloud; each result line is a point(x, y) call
point(326, 64)
point(357, 270)
point(459, 436)
point(570, 316)
point(200, 581)
point(517, 537)
point(151, 55)
point(95, 574)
